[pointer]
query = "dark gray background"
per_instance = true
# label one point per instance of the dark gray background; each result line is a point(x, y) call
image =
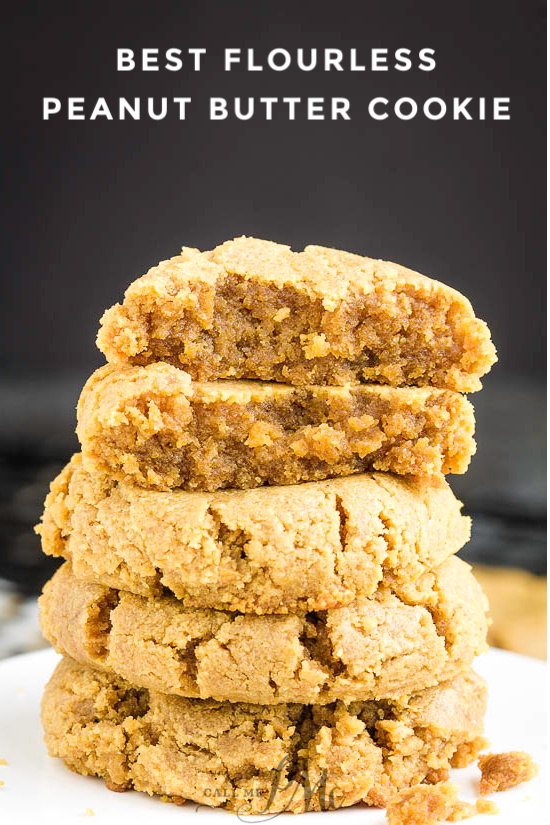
point(91, 205)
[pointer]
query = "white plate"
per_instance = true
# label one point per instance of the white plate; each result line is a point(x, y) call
point(38, 789)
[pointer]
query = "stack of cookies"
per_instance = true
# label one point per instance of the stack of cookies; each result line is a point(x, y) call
point(261, 607)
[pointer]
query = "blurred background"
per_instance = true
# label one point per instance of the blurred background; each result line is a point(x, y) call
point(92, 205)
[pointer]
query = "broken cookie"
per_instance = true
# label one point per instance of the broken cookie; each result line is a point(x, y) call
point(155, 427)
point(255, 309)
point(255, 758)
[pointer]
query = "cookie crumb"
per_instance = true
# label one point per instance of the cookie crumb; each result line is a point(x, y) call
point(500, 771)
point(428, 805)
point(281, 314)
point(466, 752)
point(263, 434)
point(485, 806)
point(314, 346)
point(113, 786)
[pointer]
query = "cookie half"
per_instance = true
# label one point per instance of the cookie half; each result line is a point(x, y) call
point(155, 427)
point(255, 309)
point(377, 647)
point(253, 758)
point(267, 550)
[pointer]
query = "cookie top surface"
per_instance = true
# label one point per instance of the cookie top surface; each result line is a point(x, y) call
point(265, 550)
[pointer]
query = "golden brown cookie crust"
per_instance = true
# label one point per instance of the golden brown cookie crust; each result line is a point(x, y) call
point(155, 427)
point(231, 755)
point(377, 647)
point(255, 309)
point(270, 550)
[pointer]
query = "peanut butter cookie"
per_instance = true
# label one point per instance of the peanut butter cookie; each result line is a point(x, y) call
point(375, 648)
point(255, 309)
point(253, 758)
point(269, 550)
point(155, 427)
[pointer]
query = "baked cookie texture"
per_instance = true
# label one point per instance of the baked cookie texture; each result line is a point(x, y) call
point(426, 804)
point(268, 550)
point(257, 758)
point(381, 647)
point(255, 309)
point(155, 427)
point(500, 771)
